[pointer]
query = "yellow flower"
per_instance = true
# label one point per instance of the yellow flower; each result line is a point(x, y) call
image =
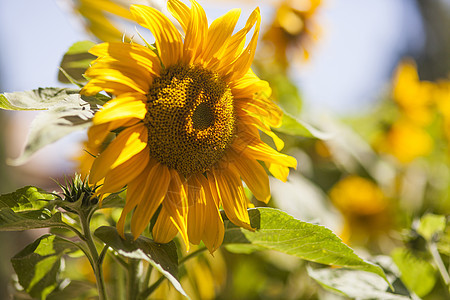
point(414, 97)
point(405, 140)
point(187, 120)
point(293, 29)
point(363, 206)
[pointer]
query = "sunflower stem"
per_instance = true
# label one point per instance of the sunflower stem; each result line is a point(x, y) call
point(96, 261)
point(191, 255)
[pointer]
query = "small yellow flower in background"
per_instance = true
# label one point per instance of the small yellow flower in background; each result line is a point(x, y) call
point(189, 120)
point(363, 206)
point(405, 140)
point(413, 96)
point(293, 29)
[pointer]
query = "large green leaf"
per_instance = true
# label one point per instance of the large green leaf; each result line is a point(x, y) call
point(163, 257)
point(38, 265)
point(28, 208)
point(26, 198)
point(39, 99)
point(66, 111)
point(75, 61)
point(354, 284)
point(276, 230)
point(41, 218)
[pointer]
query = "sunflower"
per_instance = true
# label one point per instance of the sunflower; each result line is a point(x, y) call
point(188, 117)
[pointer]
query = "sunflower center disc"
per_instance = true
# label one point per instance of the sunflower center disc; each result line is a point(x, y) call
point(190, 118)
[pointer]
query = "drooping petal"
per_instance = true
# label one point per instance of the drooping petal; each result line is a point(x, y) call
point(231, 193)
point(176, 205)
point(136, 191)
point(168, 40)
point(253, 175)
point(127, 144)
point(214, 229)
point(197, 209)
point(157, 182)
point(164, 230)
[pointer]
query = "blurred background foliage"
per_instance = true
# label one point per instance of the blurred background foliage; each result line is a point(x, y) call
point(378, 175)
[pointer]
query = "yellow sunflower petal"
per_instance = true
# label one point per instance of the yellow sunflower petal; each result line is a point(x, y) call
point(176, 205)
point(127, 144)
point(158, 179)
point(105, 75)
point(214, 229)
point(278, 171)
point(237, 42)
point(249, 85)
point(164, 230)
point(195, 33)
point(253, 175)
point(180, 11)
point(197, 209)
point(218, 34)
point(136, 191)
point(132, 54)
point(254, 147)
point(231, 192)
point(242, 64)
point(120, 176)
point(123, 107)
point(168, 40)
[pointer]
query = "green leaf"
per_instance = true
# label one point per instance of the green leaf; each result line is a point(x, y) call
point(75, 290)
point(75, 61)
point(431, 225)
point(163, 257)
point(26, 198)
point(354, 284)
point(276, 230)
point(418, 274)
point(42, 218)
point(39, 99)
point(38, 265)
point(292, 126)
point(66, 111)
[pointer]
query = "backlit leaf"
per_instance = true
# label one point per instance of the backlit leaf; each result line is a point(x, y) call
point(276, 230)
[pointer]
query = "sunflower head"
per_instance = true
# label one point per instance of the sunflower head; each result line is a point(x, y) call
point(188, 116)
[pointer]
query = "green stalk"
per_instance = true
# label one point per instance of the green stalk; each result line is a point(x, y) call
point(96, 261)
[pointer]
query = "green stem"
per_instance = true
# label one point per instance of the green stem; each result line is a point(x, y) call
point(97, 263)
point(145, 294)
point(133, 279)
point(440, 264)
point(191, 255)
